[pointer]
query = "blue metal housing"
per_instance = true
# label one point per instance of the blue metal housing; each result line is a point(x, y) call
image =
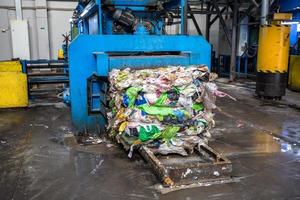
point(292, 6)
point(92, 56)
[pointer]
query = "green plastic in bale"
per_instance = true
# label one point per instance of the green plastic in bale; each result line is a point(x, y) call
point(167, 134)
point(132, 93)
point(145, 135)
point(198, 107)
point(161, 100)
point(157, 110)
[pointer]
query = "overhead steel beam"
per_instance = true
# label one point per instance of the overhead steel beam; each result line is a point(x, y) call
point(198, 11)
point(204, 12)
point(194, 21)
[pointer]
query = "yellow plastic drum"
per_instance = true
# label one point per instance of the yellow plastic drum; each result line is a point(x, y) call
point(272, 61)
point(273, 49)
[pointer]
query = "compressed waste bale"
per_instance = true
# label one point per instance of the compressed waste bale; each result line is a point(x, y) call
point(168, 109)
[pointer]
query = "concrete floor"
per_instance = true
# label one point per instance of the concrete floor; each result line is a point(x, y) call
point(38, 160)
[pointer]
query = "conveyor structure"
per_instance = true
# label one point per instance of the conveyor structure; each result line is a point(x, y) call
point(40, 72)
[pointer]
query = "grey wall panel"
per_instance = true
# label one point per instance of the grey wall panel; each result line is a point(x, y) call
point(214, 30)
point(58, 24)
point(201, 19)
point(42, 29)
point(224, 48)
point(58, 13)
point(214, 36)
point(30, 16)
point(5, 37)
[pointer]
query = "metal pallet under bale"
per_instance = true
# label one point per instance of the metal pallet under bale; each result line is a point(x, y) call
point(205, 165)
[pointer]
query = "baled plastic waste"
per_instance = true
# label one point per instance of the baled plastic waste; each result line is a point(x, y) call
point(168, 109)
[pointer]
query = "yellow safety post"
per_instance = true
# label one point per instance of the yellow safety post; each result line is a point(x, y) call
point(60, 54)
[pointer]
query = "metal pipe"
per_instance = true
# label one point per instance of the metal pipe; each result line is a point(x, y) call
point(265, 4)
point(18, 5)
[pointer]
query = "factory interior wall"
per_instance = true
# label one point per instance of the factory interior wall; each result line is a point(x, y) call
point(5, 41)
point(214, 30)
point(59, 13)
point(58, 24)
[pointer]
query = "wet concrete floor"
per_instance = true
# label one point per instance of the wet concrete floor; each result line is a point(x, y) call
point(39, 160)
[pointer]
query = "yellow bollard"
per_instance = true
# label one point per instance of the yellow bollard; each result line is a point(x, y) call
point(272, 61)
